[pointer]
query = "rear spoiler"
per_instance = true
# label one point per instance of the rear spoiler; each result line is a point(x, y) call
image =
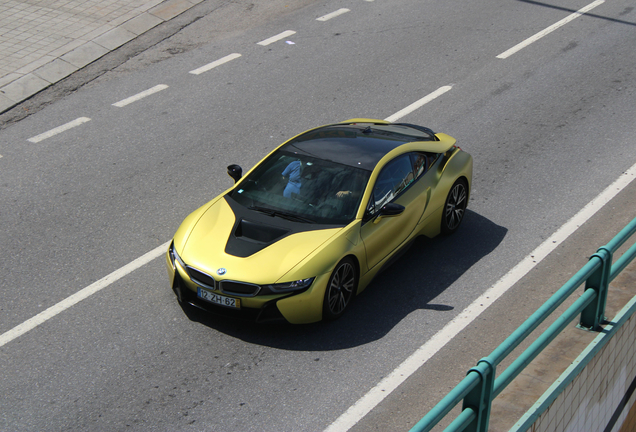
point(426, 130)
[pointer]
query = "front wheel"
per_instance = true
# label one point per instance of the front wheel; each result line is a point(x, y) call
point(455, 207)
point(340, 290)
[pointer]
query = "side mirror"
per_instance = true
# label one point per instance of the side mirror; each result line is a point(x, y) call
point(390, 209)
point(235, 171)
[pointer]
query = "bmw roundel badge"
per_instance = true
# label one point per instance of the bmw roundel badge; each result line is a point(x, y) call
point(221, 271)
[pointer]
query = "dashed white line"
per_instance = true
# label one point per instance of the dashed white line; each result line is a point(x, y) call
point(56, 309)
point(143, 94)
point(214, 64)
point(417, 104)
point(333, 14)
point(59, 129)
point(276, 38)
point(378, 393)
point(550, 29)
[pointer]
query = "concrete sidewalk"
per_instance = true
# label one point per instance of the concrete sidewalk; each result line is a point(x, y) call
point(44, 41)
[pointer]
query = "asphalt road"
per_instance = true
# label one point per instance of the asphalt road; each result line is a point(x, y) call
point(549, 127)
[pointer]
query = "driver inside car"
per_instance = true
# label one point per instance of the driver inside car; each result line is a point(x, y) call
point(292, 174)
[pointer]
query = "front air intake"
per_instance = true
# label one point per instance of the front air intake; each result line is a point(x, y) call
point(239, 288)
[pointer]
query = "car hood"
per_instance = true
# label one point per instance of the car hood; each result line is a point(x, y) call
point(249, 247)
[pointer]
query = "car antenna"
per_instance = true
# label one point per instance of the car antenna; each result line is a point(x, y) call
point(367, 130)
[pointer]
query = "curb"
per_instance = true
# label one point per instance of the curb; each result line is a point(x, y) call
point(29, 80)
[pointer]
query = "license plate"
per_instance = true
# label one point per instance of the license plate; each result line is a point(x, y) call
point(219, 299)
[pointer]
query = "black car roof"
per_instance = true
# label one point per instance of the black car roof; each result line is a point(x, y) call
point(359, 145)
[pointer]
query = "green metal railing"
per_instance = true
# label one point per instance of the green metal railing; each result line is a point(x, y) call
point(480, 386)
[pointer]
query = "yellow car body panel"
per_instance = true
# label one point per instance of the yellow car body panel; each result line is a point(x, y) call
point(205, 248)
point(305, 307)
point(384, 234)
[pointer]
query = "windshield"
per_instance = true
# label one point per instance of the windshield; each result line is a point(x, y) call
point(303, 188)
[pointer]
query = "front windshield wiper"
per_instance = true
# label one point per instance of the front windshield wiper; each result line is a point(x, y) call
point(281, 214)
point(266, 210)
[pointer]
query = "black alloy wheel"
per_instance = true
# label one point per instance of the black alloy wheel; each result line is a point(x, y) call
point(340, 290)
point(455, 207)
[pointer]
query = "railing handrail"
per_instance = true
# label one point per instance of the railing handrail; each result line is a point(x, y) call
point(596, 275)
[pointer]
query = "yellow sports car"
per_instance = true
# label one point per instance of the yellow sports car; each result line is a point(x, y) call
point(307, 229)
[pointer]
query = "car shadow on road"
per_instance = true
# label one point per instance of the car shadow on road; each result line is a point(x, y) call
point(428, 268)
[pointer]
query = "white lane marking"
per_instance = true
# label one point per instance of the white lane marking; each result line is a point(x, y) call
point(377, 394)
point(143, 94)
point(333, 14)
point(550, 29)
point(215, 63)
point(276, 38)
point(417, 104)
point(59, 129)
point(49, 313)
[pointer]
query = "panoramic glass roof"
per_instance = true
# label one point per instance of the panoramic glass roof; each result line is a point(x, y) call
point(359, 145)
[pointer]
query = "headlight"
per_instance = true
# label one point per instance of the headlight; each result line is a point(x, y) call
point(290, 286)
point(171, 254)
point(175, 256)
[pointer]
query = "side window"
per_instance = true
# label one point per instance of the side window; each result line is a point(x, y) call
point(432, 158)
point(420, 163)
point(393, 179)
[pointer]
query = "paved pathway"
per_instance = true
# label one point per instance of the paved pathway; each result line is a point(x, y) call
point(44, 41)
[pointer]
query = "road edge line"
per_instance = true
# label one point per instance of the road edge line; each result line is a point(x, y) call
point(377, 394)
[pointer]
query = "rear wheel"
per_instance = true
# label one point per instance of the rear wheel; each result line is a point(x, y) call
point(455, 207)
point(340, 290)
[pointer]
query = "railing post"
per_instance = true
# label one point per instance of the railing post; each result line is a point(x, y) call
point(480, 398)
point(594, 314)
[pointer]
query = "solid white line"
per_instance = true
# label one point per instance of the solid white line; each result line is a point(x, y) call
point(214, 64)
point(276, 38)
point(370, 400)
point(415, 105)
point(333, 14)
point(49, 313)
point(59, 129)
point(550, 29)
point(143, 94)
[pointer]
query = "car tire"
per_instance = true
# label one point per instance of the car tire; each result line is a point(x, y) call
point(455, 207)
point(341, 288)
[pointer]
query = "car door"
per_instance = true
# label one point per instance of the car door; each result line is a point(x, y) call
point(395, 184)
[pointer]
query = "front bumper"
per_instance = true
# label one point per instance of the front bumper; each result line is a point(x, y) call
point(295, 307)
